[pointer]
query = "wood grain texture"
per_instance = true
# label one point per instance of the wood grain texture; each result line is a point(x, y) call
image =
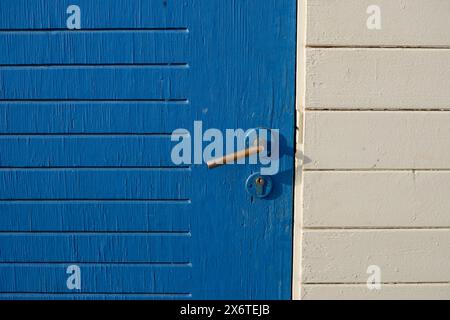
point(108, 278)
point(403, 255)
point(387, 292)
point(125, 84)
point(394, 199)
point(377, 140)
point(85, 172)
point(100, 151)
point(43, 15)
point(95, 216)
point(377, 78)
point(79, 117)
point(403, 23)
point(64, 48)
point(93, 184)
point(94, 296)
point(91, 248)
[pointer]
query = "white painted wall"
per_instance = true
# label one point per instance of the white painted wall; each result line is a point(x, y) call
point(373, 178)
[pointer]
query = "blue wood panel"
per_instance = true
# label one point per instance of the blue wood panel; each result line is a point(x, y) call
point(95, 215)
point(85, 170)
point(251, 55)
point(84, 247)
point(34, 117)
point(146, 83)
point(120, 14)
point(94, 184)
point(94, 48)
point(94, 296)
point(98, 278)
point(98, 151)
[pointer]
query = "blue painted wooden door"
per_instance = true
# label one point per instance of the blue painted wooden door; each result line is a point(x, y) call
point(91, 203)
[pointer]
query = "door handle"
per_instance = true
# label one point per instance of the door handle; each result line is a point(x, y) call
point(232, 157)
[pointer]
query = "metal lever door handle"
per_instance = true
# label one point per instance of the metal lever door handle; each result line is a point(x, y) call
point(232, 157)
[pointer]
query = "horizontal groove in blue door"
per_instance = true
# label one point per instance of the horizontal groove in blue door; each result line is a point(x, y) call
point(73, 248)
point(115, 117)
point(94, 216)
point(95, 296)
point(88, 84)
point(94, 184)
point(134, 14)
point(94, 48)
point(70, 66)
point(106, 278)
point(71, 151)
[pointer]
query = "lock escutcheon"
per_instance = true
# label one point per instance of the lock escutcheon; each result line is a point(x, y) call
point(258, 185)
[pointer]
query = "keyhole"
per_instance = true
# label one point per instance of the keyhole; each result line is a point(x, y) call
point(260, 181)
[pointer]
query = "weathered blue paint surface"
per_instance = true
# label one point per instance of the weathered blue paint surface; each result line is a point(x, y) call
point(85, 172)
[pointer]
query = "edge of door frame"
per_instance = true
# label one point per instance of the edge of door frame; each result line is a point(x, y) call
point(298, 190)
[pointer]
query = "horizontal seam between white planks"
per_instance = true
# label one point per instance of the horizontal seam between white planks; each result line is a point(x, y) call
point(363, 170)
point(385, 283)
point(400, 110)
point(398, 228)
point(383, 47)
point(374, 229)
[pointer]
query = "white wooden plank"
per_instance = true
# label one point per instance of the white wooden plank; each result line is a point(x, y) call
point(403, 23)
point(349, 78)
point(339, 199)
point(297, 225)
point(387, 292)
point(377, 140)
point(344, 256)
